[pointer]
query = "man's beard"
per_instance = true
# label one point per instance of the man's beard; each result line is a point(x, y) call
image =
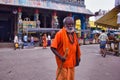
point(70, 29)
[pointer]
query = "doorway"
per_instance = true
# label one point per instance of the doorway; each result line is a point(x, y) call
point(6, 28)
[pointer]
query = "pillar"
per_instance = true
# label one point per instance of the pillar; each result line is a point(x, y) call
point(19, 20)
point(55, 22)
point(44, 21)
point(36, 18)
point(20, 23)
point(36, 15)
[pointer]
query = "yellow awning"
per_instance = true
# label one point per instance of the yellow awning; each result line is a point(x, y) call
point(109, 19)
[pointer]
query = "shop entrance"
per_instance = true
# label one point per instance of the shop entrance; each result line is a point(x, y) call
point(6, 28)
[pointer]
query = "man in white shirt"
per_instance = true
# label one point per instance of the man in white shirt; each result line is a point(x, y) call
point(103, 39)
point(25, 38)
point(49, 40)
point(16, 39)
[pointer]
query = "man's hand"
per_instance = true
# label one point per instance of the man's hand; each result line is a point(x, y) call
point(79, 60)
point(63, 59)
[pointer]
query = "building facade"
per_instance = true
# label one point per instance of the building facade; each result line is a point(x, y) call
point(16, 16)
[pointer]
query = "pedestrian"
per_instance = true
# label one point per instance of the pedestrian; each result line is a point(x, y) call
point(25, 40)
point(16, 42)
point(44, 40)
point(111, 41)
point(20, 42)
point(49, 39)
point(32, 40)
point(38, 23)
point(103, 38)
point(67, 51)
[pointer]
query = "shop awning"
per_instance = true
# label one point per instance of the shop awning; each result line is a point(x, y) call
point(109, 19)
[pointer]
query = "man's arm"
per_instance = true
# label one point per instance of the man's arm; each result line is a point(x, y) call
point(57, 54)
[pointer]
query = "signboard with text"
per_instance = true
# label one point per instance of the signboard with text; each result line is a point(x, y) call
point(7, 1)
point(47, 5)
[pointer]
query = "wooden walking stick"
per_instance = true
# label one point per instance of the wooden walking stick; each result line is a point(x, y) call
point(66, 53)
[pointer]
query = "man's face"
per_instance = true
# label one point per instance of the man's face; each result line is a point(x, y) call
point(69, 25)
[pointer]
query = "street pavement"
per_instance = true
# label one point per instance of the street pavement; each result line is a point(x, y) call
point(39, 64)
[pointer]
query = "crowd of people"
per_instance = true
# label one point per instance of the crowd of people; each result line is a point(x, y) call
point(109, 42)
point(29, 40)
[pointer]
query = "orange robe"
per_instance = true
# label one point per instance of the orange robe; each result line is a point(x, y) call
point(66, 74)
point(61, 42)
point(44, 42)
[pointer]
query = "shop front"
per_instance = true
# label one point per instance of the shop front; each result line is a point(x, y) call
point(18, 20)
point(109, 20)
point(7, 19)
point(19, 17)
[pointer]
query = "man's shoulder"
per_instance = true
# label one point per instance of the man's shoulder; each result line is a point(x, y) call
point(60, 34)
point(60, 31)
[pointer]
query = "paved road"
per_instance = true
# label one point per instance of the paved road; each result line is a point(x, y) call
point(39, 64)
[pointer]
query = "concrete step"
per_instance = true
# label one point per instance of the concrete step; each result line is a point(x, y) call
point(6, 45)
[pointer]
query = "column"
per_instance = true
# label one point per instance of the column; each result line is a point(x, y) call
point(15, 21)
point(55, 22)
point(20, 23)
point(36, 15)
point(44, 16)
point(36, 18)
point(19, 28)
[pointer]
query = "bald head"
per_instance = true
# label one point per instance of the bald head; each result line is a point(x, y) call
point(69, 24)
point(68, 20)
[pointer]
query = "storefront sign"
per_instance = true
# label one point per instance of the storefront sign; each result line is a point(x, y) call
point(7, 1)
point(47, 5)
point(34, 3)
point(29, 24)
point(73, 8)
point(22, 2)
